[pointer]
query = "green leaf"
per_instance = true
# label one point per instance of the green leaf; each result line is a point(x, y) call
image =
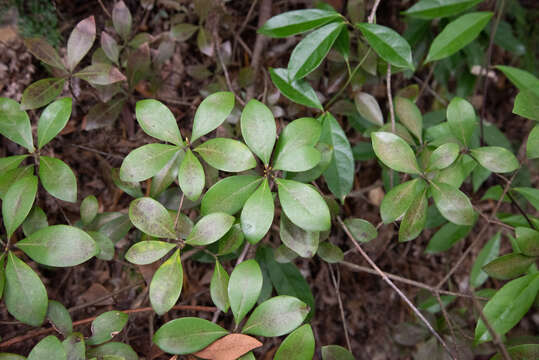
point(146, 161)
point(147, 252)
point(18, 202)
point(41, 92)
point(88, 209)
point(326, 152)
point(522, 79)
point(59, 245)
point(299, 345)
point(191, 176)
point(415, 218)
point(258, 129)
point(121, 19)
point(298, 91)
point(11, 162)
point(276, 316)
point(488, 253)
point(183, 31)
point(528, 241)
point(453, 204)
point(361, 230)
point(527, 105)
point(105, 351)
point(284, 254)
point(432, 9)
point(295, 149)
point(398, 200)
point(166, 284)
point(330, 253)
point(520, 352)
point(2, 274)
point(166, 176)
point(211, 113)
point(110, 47)
point(219, 287)
point(226, 155)
point(462, 120)
point(339, 174)
point(57, 178)
point(75, 347)
point(457, 172)
point(15, 124)
point(367, 106)
point(80, 42)
point(12, 176)
point(443, 156)
point(58, 315)
point(508, 306)
point(187, 335)
point(388, 44)
point(48, 348)
point(446, 237)
point(152, 218)
point(106, 326)
point(410, 116)
point(495, 158)
point(25, 295)
point(158, 121)
point(457, 34)
point(394, 152)
point(297, 22)
point(131, 188)
point(9, 356)
point(210, 228)
point(303, 243)
point(257, 214)
point(52, 120)
point(42, 50)
point(229, 194)
point(312, 49)
point(244, 288)
point(303, 205)
point(508, 266)
point(532, 146)
point(336, 352)
point(101, 74)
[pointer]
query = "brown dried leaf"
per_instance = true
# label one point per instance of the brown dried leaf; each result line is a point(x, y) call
point(230, 347)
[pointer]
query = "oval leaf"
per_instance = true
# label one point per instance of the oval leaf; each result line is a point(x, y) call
point(495, 158)
point(106, 326)
point(394, 152)
point(257, 214)
point(432, 9)
point(229, 194)
point(299, 136)
point(298, 345)
point(303, 243)
point(410, 116)
point(80, 42)
point(41, 92)
point(461, 119)
point(146, 161)
point(18, 202)
point(191, 176)
point(88, 209)
point(226, 155)
point(298, 91)
point(443, 156)
point(166, 285)
point(48, 348)
point(42, 50)
point(210, 228)
point(58, 315)
point(52, 120)
point(330, 253)
point(121, 19)
point(368, 107)
point(508, 266)
point(15, 124)
point(296, 22)
point(158, 121)
point(415, 218)
point(244, 288)
point(147, 252)
point(361, 230)
point(453, 204)
point(219, 287)
point(258, 129)
point(152, 218)
point(211, 113)
point(57, 178)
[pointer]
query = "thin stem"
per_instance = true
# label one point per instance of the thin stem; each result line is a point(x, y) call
point(341, 308)
point(373, 12)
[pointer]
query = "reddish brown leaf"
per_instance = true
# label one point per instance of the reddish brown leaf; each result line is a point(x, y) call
point(80, 41)
point(230, 347)
point(121, 19)
point(100, 74)
point(42, 50)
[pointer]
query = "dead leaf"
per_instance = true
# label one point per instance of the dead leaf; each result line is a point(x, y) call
point(229, 347)
point(376, 196)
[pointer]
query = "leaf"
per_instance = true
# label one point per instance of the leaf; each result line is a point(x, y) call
point(52, 120)
point(124, 351)
point(146, 161)
point(528, 241)
point(432, 9)
point(303, 243)
point(443, 156)
point(495, 158)
point(88, 209)
point(139, 65)
point(15, 124)
point(527, 105)
point(158, 121)
point(303, 205)
point(210, 228)
point(297, 22)
point(298, 91)
point(454, 205)
point(257, 214)
point(12, 176)
point(410, 116)
point(508, 306)
point(18, 202)
point(106, 326)
point(488, 253)
point(183, 31)
point(9, 356)
point(166, 176)
point(244, 288)
point(522, 79)
point(187, 335)
point(532, 146)
point(147, 252)
point(231, 242)
point(330, 253)
point(41, 92)
point(336, 352)
point(11, 162)
point(211, 113)
point(394, 152)
point(152, 218)
point(105, 246)
point(58, 315)
point(342, 43)
point(229, 347)
point(326, 156)
point(415, 218)
point(80, 42)
point(447, 236)
point(75, 347)
point(42, 50)
point(229, 194)
point(101, 74)
point(58, 178)
point(298, 345)
point(258, 129)
point(361, 230)
point(121, 19)
point(219, 287)
point(191, 176)
point(131, 188)
point(110, 47)
point(226, 155)
point(59, 245)
point(368, 107)
point(312, 49)
point(457, 34)
point(48, 348)
point(204, 42)
point(520, 352)
point(166, 284)
point(104, 114)
point(339, 174)
point(25, 296)
point(276, 316)
point(508, 266)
